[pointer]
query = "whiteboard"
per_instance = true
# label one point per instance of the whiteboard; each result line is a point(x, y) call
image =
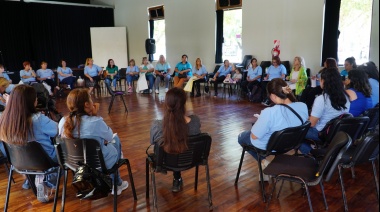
point(109, 43)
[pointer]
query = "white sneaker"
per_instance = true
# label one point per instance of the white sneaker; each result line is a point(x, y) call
point(157, 91)
point(120, 188)
point(166, 90)
point(68, 87)
point(150, 91)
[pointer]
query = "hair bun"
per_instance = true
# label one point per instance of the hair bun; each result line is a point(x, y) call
point(286, 89)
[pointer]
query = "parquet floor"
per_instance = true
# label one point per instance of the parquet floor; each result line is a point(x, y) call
point(224, 119)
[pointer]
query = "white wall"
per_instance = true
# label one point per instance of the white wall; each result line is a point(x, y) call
point(190, 29)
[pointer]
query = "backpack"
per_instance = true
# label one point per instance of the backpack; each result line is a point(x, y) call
point(91, 183)
point(255, 95)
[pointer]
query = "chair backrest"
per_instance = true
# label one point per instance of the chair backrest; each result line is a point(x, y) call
point(366, 150)
point(122, 73)
point(71, 152)
point(338, 146)
point(287, 139)
point(354, 127)
point(216, 68)
point(373, 115)
point(30, 157)
point(246, 61)
point(264, 65)
point(287, 66)
point(308, 71)
point(196, 154)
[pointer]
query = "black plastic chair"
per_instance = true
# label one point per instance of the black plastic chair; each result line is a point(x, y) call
point(71, 152)
point(196, 155)
point(211, 75)
point(29, 159)
point(287, 66)
point(280, 142)
point(308, 171)
point(366, 150)
point(245, 63)
point(115, 94)
point(122, 74)
point(373, 115)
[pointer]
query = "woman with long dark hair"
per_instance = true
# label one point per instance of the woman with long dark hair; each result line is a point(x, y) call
point(359, 90)
point(173, 130)
point(349, 64)
point(371, 70)
point(333, 102)
point(112, 70)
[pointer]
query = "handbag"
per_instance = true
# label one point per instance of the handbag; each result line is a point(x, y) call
point(184, 75)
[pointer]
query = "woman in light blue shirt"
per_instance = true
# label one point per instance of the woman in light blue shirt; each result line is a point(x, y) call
point(84, 111)
point(162, 71)
point(65, 75)
point(274, 118)
point(276, 70)
point(253, 76)
point(221, 75)
point(132, 74)
point(200, 72)
point(47, 75)
point(27, 75)
point(5, 75)
point(92, 72)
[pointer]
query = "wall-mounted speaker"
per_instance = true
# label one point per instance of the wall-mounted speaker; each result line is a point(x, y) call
point(150, 46)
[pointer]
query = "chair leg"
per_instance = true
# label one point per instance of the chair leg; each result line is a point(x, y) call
point(153, 177)
point(323, 194)
point(261, 180)
point(375, 176)
point(131, 179)
point(147, 178)
point(308, 197)
point(196, 178)
point(342, 187)
point(8, 189)
point(240, 164)
point(353, 172)
point(282, 184)
point(110, 106)
point(64, 190)
point(57, 189)
point(125, 106)
point(32, 184)
point(115, 177)
point(7, 168)
point(271, 194)
point(209, 187)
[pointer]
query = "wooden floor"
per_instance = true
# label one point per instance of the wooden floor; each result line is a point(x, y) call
point(224, 119)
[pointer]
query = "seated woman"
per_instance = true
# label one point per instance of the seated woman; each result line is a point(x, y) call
point(298, 76)
point(276, 70)
point(112, 70)
point(148, 69)
point(5, 75)
point(27, 75)
point(220, 75)
point(274, 118)
point(65, 75)
point(254, 73)
point(132, 74)
point(92, 73)
point(173, 130)
point(200, 72)
point(47, 75)
point(333, 102)
point(349, 64)
point(182, 72)
point(371, 70)
point(21, 123)
point(83, 122)
point(309, 94)
point(162, 71)
point(359, 90)
point(4, 84)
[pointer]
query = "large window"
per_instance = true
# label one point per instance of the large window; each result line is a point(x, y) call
point(232, 28)
point(159, 36)
point(355, 30)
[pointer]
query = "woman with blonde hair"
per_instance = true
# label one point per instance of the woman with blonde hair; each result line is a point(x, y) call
point(92, 72)
point(200, 72)
point(4, 83)
point(298, 76)
point(132, 74)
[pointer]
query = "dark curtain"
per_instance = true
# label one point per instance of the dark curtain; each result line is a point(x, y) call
point(151, 33)
point(331, 32)
point(48, 32)
point(219, 37)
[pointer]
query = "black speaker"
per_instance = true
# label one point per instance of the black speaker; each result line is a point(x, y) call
point(223, 3)
point(150, 46)
point(234, 2)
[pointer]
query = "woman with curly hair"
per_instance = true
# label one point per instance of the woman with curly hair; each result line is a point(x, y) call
point(359, 90)
point(333, 102)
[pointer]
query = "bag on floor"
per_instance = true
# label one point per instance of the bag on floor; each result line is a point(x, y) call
point(141, 83)
point(255, 95)
point(189, 84)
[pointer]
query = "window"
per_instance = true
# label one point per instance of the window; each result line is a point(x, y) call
point(232, 28)
point(355, 30)
point(159, 36)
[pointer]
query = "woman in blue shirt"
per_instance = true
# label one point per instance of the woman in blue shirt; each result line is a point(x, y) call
point(373, 77)
point(276, 70)
point(182, 72)
point(349, 64)
point(92, 72)
point(253, 76)
point(274, 118)
point(27, 75)
point(65, 75)
point(359, 90)
point(83, 122)
point(220, 75)
point(47, 75)
point(200, 72)
point(132, 74)
point(5, 75)
point(162, 71)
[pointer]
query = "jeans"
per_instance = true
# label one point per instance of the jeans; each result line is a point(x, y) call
point(131, 78)
point(244, 139)
point(113, 148)
point(114, 80)
point(312, 134)
point(150, 78)
point(158, 81)
point(69, 81)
